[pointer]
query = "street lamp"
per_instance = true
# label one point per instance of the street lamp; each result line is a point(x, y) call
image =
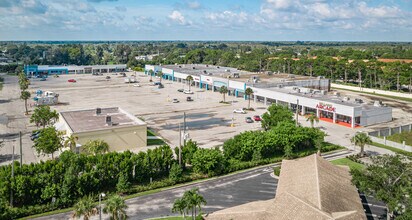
point(100, 204)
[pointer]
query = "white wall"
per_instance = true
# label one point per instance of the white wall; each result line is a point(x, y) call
point(167, 71)
point(180, 75)
point(376, 116)
point(207, 79)
point(237, 85)
point(377, 91)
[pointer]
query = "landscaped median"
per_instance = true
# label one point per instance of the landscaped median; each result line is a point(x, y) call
point(396, 150)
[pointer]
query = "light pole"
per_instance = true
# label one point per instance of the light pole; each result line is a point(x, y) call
point(100, 205)
point(297, 111)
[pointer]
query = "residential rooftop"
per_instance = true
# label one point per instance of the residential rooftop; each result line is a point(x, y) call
point(88, 120)
point(308, 188)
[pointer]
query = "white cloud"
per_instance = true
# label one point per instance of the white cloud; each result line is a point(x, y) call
point(177, 17)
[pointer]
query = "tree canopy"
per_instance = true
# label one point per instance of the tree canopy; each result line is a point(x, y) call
point(275, 115)
point(44, 116)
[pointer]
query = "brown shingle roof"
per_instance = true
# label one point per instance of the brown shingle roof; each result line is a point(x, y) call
point(308, 188)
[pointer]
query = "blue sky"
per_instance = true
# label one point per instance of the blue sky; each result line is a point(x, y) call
point(254, 20)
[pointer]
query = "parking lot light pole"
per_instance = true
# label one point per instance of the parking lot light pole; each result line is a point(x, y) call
point(297, 111)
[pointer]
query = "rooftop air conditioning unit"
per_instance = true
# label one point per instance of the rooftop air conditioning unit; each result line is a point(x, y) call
point(377, 103)
point(227, 70)
point(298, 90)
point(98, 111)
point(323, 92)
point(295, 88)
point(280, 86)
point(109, 120)
point(346, 99)
point(218, 67)
point(337, 94)
point(193, 67)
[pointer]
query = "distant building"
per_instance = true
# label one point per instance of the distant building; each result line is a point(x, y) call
point(121, 130)
point(45, 70)
point(309, 188)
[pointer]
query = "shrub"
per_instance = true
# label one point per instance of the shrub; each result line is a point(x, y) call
point(175, 173)
point(208, 161)
point(276, 171)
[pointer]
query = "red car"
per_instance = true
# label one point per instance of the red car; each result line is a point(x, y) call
point(257, 118)
point(71, 80)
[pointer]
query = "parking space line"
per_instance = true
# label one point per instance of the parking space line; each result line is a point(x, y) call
point(370, 204)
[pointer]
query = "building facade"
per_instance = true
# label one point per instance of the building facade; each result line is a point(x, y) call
point(121, 130)
point(305, 95)
point(45, 70)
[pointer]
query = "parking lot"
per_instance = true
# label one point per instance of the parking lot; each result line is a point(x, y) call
point(207, 121)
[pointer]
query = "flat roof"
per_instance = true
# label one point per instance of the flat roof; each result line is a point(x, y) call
point(87, 120)
point(51, 67)
point(199, 69)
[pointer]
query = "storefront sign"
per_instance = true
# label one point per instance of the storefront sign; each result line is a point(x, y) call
point(196, 79)
point(325, 107)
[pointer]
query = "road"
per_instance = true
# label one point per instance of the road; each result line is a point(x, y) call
point(223, 192)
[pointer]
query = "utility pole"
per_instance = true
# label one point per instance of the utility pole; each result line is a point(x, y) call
point(180, 146)
point(397, 82)
point(12, 176)
point(297, 111)
point(21, 150)
point(184, 127)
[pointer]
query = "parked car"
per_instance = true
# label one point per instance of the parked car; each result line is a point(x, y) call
point(187, 92)
point(136, 85)
point(257, 118)
point(180, 90)
point(175, 101)
point(108, 77)
point(189, 99)
point(43, 79)
point(160, 86)
point(34, 135)
point(248, 120)
point(71, 80)
point(156, 83)
point(240, 111)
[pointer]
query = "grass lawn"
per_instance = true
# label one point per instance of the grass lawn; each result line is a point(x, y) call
point(386, 96)
point(347, 162)
point(155, 142)
point(396, 150)
point(150, 133)
point(404, 136)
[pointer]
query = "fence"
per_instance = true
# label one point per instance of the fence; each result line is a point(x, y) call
point(377, 91)
point(376, 136)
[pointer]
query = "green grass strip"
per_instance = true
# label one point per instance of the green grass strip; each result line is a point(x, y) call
point(346, 162)
point(376, 94)
point(396, 150)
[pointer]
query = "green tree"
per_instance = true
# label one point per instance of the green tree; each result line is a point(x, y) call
point(151, 75)
point(160, 74)
point(208, 161)
point(312, 118)
point(274, 115)
point(43, 116)
point(361, 139)
point(116, 207)
point(180, 205)
point(188, 150)
point(84, 207)
point(248, 92)
point(123, 183)
point(223, 90)
point(194, 200)
point(189, 79)
point(387, 178)
point(48, 142)
point(176, 172)
point(96, 147)
point(71, 142)
point(25, 95)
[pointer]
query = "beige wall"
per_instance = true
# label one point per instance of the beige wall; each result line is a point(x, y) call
point(119, 139)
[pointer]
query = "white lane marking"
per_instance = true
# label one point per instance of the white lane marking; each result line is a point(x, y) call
point(270, 184)
point(370, 204)
point(270, 192)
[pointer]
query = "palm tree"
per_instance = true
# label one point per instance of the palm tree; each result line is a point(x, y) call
point(96, 147)
point(361, 139)
point(180, 205)
point(70, 142)
point(189, 78)
point(151, 74)
point(85, 207)
point(116, 207)
point(312, 118)
point(249, 92)
point(223, 90)
point(25, 95)
point(193, 200)
point(160, 74)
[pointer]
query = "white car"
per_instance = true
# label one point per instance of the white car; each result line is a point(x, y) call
point(240, 111)
point(175, 101)
point(187, 92)
point(136, 85)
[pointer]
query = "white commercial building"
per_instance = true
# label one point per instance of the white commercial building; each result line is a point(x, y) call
point(309, 94)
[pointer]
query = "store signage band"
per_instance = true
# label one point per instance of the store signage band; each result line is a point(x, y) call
point(325, 107)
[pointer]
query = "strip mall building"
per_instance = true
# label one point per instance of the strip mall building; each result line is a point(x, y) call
point(310, 95)
point(45, 70)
